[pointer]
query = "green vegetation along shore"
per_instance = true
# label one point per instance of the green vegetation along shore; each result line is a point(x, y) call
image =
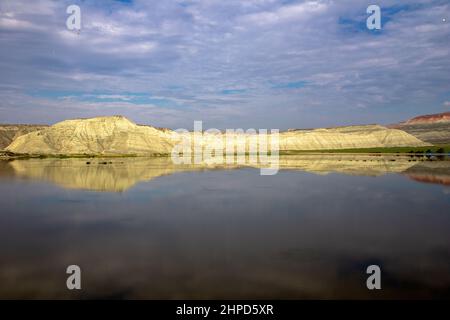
point(439, 149)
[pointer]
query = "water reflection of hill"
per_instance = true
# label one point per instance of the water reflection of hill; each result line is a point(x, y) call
point(437, 172)
point(120, 174)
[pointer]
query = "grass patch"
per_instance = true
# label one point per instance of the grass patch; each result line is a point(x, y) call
point(438, 149)
point(403, 150)
point(25, 156)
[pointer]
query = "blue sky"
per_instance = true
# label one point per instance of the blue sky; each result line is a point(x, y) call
point(232, 64)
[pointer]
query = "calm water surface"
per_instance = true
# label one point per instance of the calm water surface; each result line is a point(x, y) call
point(144, 229)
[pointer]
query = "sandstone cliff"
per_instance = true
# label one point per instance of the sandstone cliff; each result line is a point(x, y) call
point(430, 118)
point(119, 136)
point(369, 136)
point(114, 135)
point(9, 132)
point(433, 128)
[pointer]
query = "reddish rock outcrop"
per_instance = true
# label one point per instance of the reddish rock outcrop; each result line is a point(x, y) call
point(430, 118)
point(432, 128)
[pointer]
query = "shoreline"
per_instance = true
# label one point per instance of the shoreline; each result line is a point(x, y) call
point(9, 156)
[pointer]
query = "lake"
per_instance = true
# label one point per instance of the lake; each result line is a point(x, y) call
point(147, 229)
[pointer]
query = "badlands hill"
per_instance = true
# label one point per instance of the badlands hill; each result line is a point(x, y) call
point(117, 135)
point(430, 118)
point(350, 137)
point(9, 132)
point(432, 128)
point(114, 135)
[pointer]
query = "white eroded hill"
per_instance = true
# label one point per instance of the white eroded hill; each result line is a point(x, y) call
point(117, 135)
point(101, 135)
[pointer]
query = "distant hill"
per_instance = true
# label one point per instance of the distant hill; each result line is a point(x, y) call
point(8, 132)
point(117, 135)
point(430, 119)
point(432, 128)
point(349, 137)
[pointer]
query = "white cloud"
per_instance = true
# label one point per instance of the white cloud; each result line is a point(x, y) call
point(114, 96)
point(286, 13)
point(11, 23)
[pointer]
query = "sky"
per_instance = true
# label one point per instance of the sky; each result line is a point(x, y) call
point(230, 63)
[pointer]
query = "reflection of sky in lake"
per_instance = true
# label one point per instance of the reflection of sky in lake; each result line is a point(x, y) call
point(227, 234)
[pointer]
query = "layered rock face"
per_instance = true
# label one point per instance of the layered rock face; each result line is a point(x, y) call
point(114, 135)
point(433, 128)
point(118, 136)
point(351, 137)
point(430, 118)
point(9, 132)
